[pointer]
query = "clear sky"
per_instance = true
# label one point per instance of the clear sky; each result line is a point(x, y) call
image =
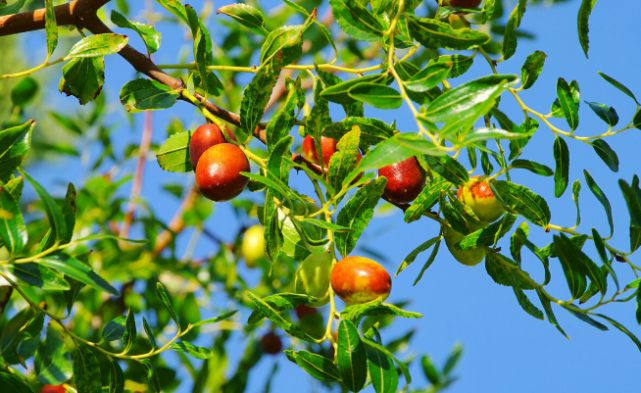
point(505, 349)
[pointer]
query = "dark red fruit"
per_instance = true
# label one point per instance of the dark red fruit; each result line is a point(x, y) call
point(218, 172)
point(52, 389)
point(405, 180)
point(271, 343)
point(302, 311)
point(328, 148)
point(203, 138)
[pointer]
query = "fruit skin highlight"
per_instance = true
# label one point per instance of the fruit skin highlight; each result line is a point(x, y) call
point(328, 148)
point(405, 180)
point(478, 195)
point(253, 245)
point(218, 172)
point(312, 278)
point(271, 343)
point(468, 258)
point(359, 280)
point(203, 138)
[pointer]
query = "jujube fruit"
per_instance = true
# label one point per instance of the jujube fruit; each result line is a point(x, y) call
point(271, 343)
point(328, 148)
point(310, 320)
point(253, 245)
point(203, 138)
point(218, 172)
point(52, 389)
point(478, 195)
point(360, 280)
point(468, 258)
point(405, 180)
point(461, 3)
point(312, 278)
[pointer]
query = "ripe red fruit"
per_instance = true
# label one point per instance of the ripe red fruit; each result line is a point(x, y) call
point(52, 389)
point(405, 180)
point(303, 311)
point(461, 3)
point(218, 172)
point(203, 138)
point(328, 148)
point(271, 343)
point(360, 280)
point(478, 195)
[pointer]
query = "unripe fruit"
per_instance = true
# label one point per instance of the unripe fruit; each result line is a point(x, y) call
point(203, 138)
point(468, 258)
point(312, 278)
point(478, 195)
point(218, 172)
point(405, 180)
point(461, 3)
point(52, 389)
point(271, 343)
point(253, 245)
point(328, 148)
point(457, 22)
point(359, 280)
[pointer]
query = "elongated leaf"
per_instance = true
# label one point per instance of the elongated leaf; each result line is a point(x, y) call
point(582, 24)
point(15, 143)
point(428, 263)
point(10, 382)
point(356, 214)
point(532, 68)
point(523, 201)
point(351, 355)
point(345, 159)
point(606, 153)
point(192, 350)
point(356, 20)
point(78, 271)
point(98, 45)
point(166, 300)
point(549, 312)
point(582, 316)
point(258, 92)
point(411, 257)
point(621, 328)
point(513, 23)
point(247, 16)
point(273, 315)
point(533, 167)
point(486, 236)
point(605, 113)
point(275, 162)
point(562, 171)
point(147, 33)
point(150, 333)
point(381, 370)
point(315, 365)
point(117, 380)
point(152, 375)
point(576, 265)
point(357, 312)
point(598, 193)
point(402, 366)
point(378, 96)
point(219, 318)
point(280, 302)
point(54, 215)
point(483, 134)
point(429, 77)
point(524, 302)
point(568, 106)
point(13, 231)
point(426, 199)
point(618, 85)
point(24, 91)
point(55, 363)
point(86, 371)
point(176, 8)
point(51, 27)
point(114, 330)
point(130, 333)
point(285, 39)
point(339, 92)
point(435, 34)
point(449, 168)
point(147, 95)
point(460, 64)
point(353, 108)
point(173, 155)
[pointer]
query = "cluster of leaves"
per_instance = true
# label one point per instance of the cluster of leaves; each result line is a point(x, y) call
point(48, 263)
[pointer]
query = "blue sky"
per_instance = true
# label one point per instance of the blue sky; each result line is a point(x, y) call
point(505, 350)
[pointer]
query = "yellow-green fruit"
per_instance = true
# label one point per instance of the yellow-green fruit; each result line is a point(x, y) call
point(312, 278)
point(467, 258)
point(253, 246)
point(478, 195)
point(456, 22)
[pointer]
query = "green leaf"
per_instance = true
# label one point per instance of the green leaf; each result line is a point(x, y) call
point(166, 300)
point(426, 199)
point(276, 158)
point(510, 36)
point(460, 64)
point(357, 312)
point(523, 201)
point(357, 213)
point(13, 231)
point(606, 153)
point(28, 338)
point(467, 96)
point(352, 108)
point(247, 16)
point(52, 211)
point(449, 168)
point(149, 35)
point(14, 147)
point(315, 365)
point(278, 320)
point(632, 196)
point(600, 196)
point(532, 68)
point(282, 122)
point(618, 85)
point(98, 45)
point(129, 336)
point(600, 246)
point(326, 225)
point(572, 265)
point(606, 113)
point(430, 76)
point(562, 169)
point(502, 269)
point(428, 263)
point(117, 380)
point(86, 371)
point(431, 373)
point(533, 167)
point(286, 39)
point(381, 370)
point(192, 350)
point(568, 106)
point(39, 276)
point(486, 236)
point(280, 302)
point(152, 375)
point(24, 91)
point(51, 27)
point(356, 20)
point(147, 95)
point(524, 302)
point(173, 155)
point(548, 311)
point(78, 271)
point(69, 215)
point(345, 159)
point(83, 78)
point(378, 96)
point(621, 328)
point(10, 382)
point(351, 356)
point(587, 319)
point(402, 366)
point(373, 131)
point(176, 8)
point(55, 363)
point(453, 359)
point(434, 34)
point(114, 330)
point(215, 319)
point(339, 92)
point(582, 24)
point(411, 257)
point(257, 94)
point(11, 9)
